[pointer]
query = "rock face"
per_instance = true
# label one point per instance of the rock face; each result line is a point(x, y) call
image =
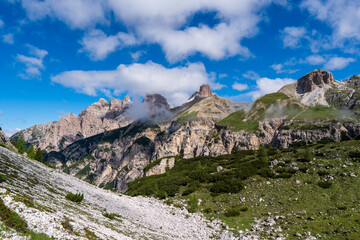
point(156, 103)
point(5, 140)
point(97, 118)
point(204, 92)
point(314, 79)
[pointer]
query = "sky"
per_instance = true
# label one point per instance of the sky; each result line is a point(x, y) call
point(58, 57)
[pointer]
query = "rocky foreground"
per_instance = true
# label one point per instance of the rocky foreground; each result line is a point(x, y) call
point(37, 194)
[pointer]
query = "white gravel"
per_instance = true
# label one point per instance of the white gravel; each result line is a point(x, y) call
point(140, 217)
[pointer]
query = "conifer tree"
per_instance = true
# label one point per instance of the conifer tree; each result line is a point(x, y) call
point(21, 144)
point(38, 155)
point(31, 151)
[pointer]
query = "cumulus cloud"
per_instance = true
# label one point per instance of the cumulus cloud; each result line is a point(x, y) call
point(292, 36)
point(176, 84)
point(329, 62)
point(33, 63)
point(342, 15)
point(99, 46)
point(267, 85)
point(8, 38)
point(240, 86)
point(280, 68)
point(314, 60)
point(337, 63)
point(251, 75)
point(163, 22)
point(75, 13)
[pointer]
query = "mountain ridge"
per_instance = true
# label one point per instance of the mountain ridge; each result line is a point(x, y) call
point(210, 126)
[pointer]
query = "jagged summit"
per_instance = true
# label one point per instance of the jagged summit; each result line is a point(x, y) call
point(156, 101)
point(204, 92)
point(314, 79)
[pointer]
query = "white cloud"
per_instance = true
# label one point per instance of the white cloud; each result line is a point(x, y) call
point(10, 132)
point(1, 112)
point(251, 75)
point(99, 46)
point(342, 15)
point(8, 38)
point(176, 84)
point(267, 85)
point(136, 55)
point(337, 63)
point(314, 60)
point(1, 23)
point(279, 68)
point(240, 86)
point(164, 22)
point(292, 36)
point(33, 64)
point(75, 13)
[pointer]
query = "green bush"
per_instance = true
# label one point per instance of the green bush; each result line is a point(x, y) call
point(193, 204)
point(322, 173)
point(324, 184)
point(232, 212)
point(78, 197)
point(109, 215)
point(2, 178)
point(230, 186)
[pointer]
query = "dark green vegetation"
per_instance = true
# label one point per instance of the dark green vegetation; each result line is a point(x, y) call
point(75, 197)
point(314, 188)
point(30, 151)
point(12, 220)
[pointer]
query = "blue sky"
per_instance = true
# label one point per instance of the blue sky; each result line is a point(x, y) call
point(58, 57)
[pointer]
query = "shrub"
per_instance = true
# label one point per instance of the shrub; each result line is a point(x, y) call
point(232, 212)
point(2, 178)
point(109, 215)
point(193, 203)
point(322, 173)
point(324, 184)
point(78, 197)
point(229, 186)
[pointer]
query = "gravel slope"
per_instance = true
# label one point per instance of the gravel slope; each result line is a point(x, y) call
point(138, 217)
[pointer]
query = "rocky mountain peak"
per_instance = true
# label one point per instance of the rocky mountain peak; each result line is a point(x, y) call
point(314, 79)
point(126, 99)
point(156, 101)
point(204, 92)
point(103, 102)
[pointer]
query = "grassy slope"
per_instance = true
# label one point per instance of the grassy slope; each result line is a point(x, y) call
point(282, 190)
point(249, 121)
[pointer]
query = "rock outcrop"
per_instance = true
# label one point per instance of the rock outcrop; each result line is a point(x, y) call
point(5, 140)
point(204, 92)
point(314, 79)
point(97, 118)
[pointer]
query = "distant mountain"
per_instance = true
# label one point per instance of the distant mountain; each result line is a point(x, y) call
point(316, 108)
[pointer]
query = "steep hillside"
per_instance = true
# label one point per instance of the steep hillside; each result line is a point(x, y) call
point(304, 192)
point(33, 203)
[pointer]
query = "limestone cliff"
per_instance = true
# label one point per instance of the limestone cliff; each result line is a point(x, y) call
point(97, 118)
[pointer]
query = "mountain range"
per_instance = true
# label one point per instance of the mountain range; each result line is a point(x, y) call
point(110, 144)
